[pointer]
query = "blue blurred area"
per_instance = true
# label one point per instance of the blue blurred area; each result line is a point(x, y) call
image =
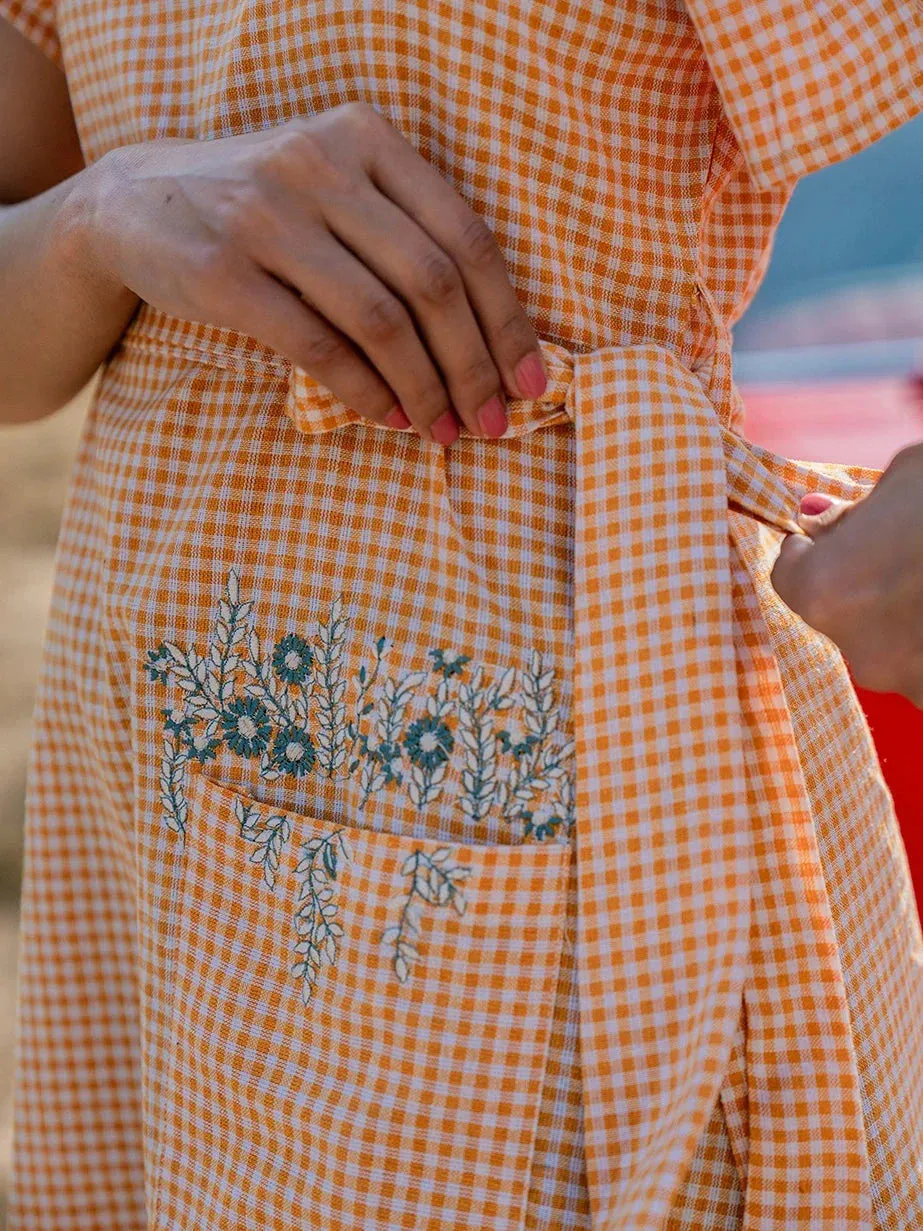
point(857, 223)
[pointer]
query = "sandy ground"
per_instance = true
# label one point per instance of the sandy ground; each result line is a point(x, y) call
point(35, 461)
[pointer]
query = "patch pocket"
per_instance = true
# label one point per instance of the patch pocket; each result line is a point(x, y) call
point(359, 1024)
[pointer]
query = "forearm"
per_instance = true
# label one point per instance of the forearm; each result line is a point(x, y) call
point(60, 314)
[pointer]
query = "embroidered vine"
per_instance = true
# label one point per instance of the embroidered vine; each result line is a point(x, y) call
point(293, 709)
point(287, 707)
point(434, 881)
point(269, 833)
point(316, 924)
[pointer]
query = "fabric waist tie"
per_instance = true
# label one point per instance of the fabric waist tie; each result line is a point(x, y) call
point(703, 922)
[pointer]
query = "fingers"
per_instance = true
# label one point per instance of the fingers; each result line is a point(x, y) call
point(428, 281)
point(819, 512)
point(277, 316)
point(420, 191)
point(793, 577)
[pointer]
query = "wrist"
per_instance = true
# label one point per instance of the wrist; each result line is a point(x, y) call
point(82, 239)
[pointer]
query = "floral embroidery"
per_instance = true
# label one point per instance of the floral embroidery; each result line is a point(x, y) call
point(316, 923)
point(246, 726)
point(293, 751)
point(292, 659)
point(294, 709)
point(434, 881)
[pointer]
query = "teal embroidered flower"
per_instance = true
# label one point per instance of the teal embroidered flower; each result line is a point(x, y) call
point(157, 664)
point(519, 749)
point(293, 752)
point(292, 659)
point(449, 662)
point(201, 748)
point(176, 720)
point(247, 728)
point(429, 742)
point(544, 829)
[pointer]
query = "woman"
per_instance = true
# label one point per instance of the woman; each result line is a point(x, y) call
point(389, 736)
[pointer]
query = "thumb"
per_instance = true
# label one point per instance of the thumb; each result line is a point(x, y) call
point(791, 573)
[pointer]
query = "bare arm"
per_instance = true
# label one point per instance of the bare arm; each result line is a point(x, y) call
point(57, 320)
point(330, 238)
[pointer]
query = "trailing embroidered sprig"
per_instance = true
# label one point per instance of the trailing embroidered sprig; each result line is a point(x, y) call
point(172, 777)
point(434, 881)
point(331, 691)
point(477, 705)
point(316, 924)
point(270, 833)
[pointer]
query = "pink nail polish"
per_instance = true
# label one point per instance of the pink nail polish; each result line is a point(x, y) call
point(397, 418)
point(813, 504)
point(492, 418)
point(530, 376)
point(445, 429)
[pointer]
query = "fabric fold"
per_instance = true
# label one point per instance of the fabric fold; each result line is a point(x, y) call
point(694, 835)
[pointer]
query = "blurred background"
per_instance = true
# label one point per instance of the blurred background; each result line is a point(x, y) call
point(830, 357)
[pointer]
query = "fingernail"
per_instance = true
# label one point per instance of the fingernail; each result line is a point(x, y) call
point(530, 376)
point(397, 418)
point(492, 418)
point(445, 429)
point(814, 503)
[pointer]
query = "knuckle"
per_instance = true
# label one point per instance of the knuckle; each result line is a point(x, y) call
point(437, 280)
point(479, 375)
point(428, 402)
point(246, 213)
point(305, 150)
point(210, 266)
point(359, 114)
point(320, 351)
point(909, 455)
point(382, 318)
point(478, 245)
point(515, 332)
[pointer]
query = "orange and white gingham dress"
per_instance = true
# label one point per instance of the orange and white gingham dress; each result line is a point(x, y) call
point(468, 838)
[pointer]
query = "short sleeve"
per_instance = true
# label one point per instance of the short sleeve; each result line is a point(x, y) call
point(806, 83)
point(36, 20)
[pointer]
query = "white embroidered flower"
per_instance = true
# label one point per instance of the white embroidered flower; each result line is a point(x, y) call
point(246, 726)
point(294, 751)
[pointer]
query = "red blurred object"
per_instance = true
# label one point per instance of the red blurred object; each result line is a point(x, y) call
point(863, 423)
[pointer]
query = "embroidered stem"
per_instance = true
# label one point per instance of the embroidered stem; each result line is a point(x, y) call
point(316, 923)
point(434, 881)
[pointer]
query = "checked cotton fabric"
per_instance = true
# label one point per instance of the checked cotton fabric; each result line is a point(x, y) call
point(426, 838)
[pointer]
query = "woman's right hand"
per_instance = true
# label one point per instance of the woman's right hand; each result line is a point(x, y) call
point(331, 240)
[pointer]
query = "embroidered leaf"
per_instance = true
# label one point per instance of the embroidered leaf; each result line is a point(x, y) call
point(316, 924)
point(434, 881)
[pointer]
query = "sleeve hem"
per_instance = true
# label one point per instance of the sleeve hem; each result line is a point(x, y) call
point(38, 29)
point(802, 90)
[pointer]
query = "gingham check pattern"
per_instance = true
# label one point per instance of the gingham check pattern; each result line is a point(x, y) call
point(702, 1011)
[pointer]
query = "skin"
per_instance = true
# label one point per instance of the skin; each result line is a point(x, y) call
point(331, 240)
point(328, 238)
point(857, 576)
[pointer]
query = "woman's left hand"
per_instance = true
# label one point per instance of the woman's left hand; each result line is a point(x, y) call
point(856, 575)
